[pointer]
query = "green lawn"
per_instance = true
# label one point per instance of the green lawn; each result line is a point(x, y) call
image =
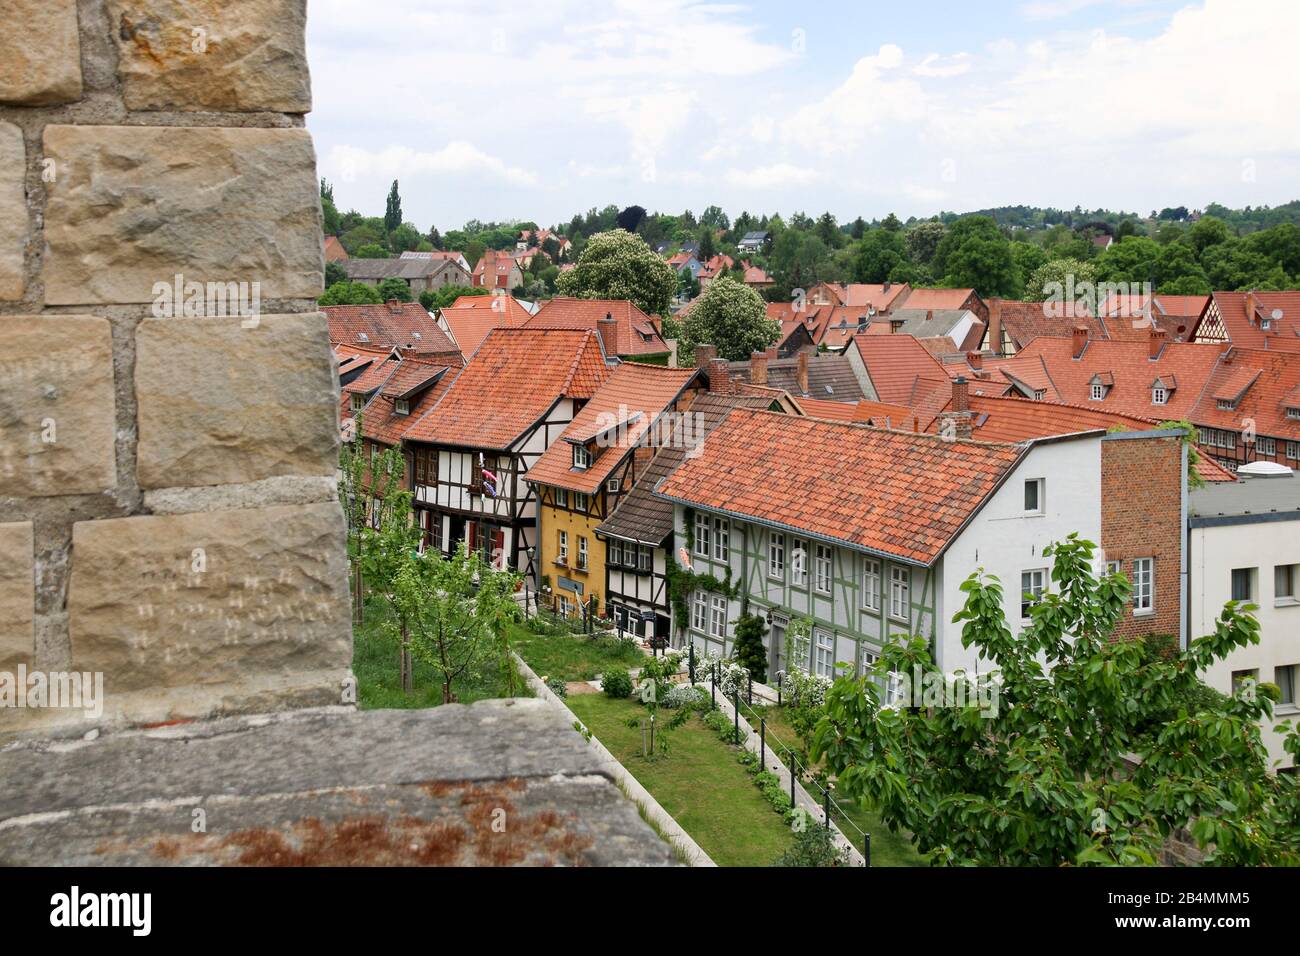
point(699, 783)
point(375, 664)
point(887, 849)
point(573, 657)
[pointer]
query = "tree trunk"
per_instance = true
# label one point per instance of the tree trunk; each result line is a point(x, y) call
point(407, 666)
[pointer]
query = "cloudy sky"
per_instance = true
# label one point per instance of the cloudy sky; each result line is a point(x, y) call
point(536, 111)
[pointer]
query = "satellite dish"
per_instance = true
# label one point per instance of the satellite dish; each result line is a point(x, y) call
point(1277, 314)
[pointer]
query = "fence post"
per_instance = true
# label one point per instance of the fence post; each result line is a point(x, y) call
point(750, 692)
point(735, 705)
point(780, 679)
point(713, 686)
point(692, 661)
point(867, 854)
point(826, 807)
point(794, 763)
point(762, 743)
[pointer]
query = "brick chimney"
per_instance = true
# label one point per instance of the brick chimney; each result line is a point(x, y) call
point(1156, 342)
point(771, 353)
point(802, 371)
point(975, 360)
point(704, 354)
point(995, 330)
point(719, 376)
point(1080, 339)
point(394, 306)
point(758, 368)
point(960, 395)
point(608, 329)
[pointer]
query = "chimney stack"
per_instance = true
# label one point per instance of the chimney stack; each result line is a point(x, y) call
point(704, 354)
point(394, 306)
point(975, 360)
point(995, 330)
point(960, 395)
point(803, 371)
point(608, 329)
point(771, 353)
point(1080, 338)
point(758, 368)
point(1156, 338)
point(719, 377)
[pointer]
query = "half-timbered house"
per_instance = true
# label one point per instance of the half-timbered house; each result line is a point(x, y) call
point(600, 458)
point(470, 452)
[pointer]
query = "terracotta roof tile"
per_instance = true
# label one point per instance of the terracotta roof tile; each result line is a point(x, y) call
point(624, 409)
point(1244, 316)
point(636, 334)
point(1262, 383)
point(404, 325)
point(908, 497)
point(510, 383)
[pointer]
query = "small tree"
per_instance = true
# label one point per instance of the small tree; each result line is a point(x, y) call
point(749, 650)
point(458, 610)
point(1093, 757)
point(391, 289)
point(619, 265)
point(731, 316)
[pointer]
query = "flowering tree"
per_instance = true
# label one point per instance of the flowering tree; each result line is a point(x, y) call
point(619, 265)
point(731, 316)
point(1094, 757)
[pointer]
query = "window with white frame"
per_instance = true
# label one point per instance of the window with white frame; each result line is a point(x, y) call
point(871, 584)
point(1033, 584)
point(561, 497)
point(645, 557)
point(1265, 446)
point(1292, 412)
point(1144, 585)
point(358, 402)
point(1284, 677)
point(824, 654)
point(776, 556)
point(822, 573)
point(613, 486)
point(580, 502)
point(1034, 496)
point(703, 538)
point(900, 593)
point(1114, 567)
point(581, 457)
point(1284, 582)
point(700, 612)
point(402, 407)
point(562, 552)
point(721, 539)
point(1159, 395)
point(1243, 584)
point(718, 617)
point(1293, 450)
point(799, 563)
point(1098, 392)
point(582, 553)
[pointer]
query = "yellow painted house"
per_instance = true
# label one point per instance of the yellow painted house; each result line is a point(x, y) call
point(586, 472)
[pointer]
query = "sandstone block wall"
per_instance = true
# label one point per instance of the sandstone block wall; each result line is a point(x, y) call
point(167, 414)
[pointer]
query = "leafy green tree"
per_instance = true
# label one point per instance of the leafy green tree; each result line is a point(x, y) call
point(923, 241)
point(619, 265)
point(1083, 750)
point(715, 218)
point(708, 248)
point(1132, 259)
point(443, 296)
point(1028, 257)
point(405, 238)
point(828, 231)
point(350, 293)
point(334, 273)
point(880, 252)
point(1057, 272)
point(730, 316)
point(749, 650)
point(458, 611)
point(371, 250)
point(1207, 231)
point(393, 209)
point(1178, 261)
point(390, 289)
point(975, 253)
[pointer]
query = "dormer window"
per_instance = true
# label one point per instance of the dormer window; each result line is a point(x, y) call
point(1040, 394)
point(1226, 404)
point(1293, 412)
point(1159, 395)
point(1098, 392)
point(581, 457)
point(402, 406)
point(358, 401)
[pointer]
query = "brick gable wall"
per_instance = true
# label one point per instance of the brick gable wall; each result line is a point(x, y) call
point(1142, 488)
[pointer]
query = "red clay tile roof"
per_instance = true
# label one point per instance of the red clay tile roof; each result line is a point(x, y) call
point(471, 317)
point(636, 333)
point(1244, 314)
point(938, 299)
point(884, 415)
point(623, 409)
point(895, 363)
point(835, 411)
point(910, 494)
point(1047, 363)
point(1263, 382)
point(390, 325)
point(1026, 321)
point(510, 383)
point(858, 295)
point(334, 251)
point(419, 381)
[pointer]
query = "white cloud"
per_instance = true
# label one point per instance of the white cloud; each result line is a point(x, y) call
point(939, 66)
point(458, 158)
point(770, 177)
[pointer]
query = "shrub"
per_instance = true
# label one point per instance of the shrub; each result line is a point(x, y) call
point(749, 650)
point(617, 682)
point(558, 687)
point(813, 846)
point(805, 690)
point(683, 695)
